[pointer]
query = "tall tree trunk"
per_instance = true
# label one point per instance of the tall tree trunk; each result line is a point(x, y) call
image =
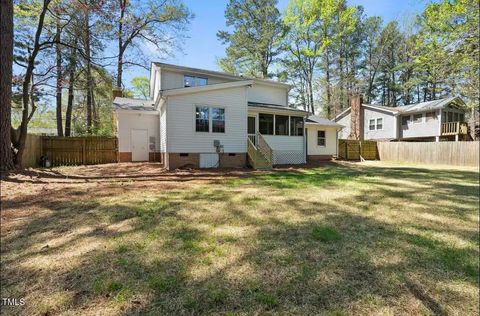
point(89, 70)
point(6, 58)
point(327, 78)
point(58, 88)
point(71, 85)
point(121, 48)
point(19, 136)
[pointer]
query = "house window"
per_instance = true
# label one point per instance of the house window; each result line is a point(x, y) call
point(218, 120)
point(201, 119)
point(321, 138)
point(296, 126)
point(379, 123)
point(281, 125)
point(265, 124)
point(405, 120)
point(461, 117)
point(192, 81)
point(417, 118)
point(430, 116)
point(371, 125)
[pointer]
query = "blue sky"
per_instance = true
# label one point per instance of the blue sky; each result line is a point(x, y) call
point(201, 49)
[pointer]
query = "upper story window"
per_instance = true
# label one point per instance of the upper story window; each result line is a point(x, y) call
point(193, 81)
point(321, 138)
point(371, 125)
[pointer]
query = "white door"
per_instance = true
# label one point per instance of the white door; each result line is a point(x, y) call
point(139, 143)
point(209, 160)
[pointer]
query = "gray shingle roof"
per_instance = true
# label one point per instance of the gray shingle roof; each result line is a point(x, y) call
point(313, 119)
point(133, 104)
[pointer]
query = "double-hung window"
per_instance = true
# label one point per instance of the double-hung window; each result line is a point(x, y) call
point(209, 116)
point(218, 120)
point(379, 123)
point(202, 119)
point(371, 125)
point(321, 141)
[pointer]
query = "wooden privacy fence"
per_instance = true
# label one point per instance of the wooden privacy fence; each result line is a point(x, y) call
point(354, 149)
point(80, 150)
point(446, 153)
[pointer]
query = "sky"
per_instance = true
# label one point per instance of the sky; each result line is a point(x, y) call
point(201, 48)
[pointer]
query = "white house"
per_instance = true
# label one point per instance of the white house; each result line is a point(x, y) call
point(442, 119)
point(203, 118)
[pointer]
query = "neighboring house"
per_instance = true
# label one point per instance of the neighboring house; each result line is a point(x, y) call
point(203, 118)
point(437, 120)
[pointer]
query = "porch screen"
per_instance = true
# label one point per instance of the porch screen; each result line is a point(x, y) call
point(265, 124)
point(281, 125)
point(296, 126)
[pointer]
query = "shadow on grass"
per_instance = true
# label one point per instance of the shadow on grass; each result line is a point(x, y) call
point(329, 260)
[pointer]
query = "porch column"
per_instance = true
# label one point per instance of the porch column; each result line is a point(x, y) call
point(437, 138)
point(456, 137)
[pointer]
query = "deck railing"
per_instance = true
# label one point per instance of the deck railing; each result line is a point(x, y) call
point(454, 128)
point(264, 148)
point(260, 158)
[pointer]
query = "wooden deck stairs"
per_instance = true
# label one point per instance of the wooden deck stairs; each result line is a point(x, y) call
point(260, 155)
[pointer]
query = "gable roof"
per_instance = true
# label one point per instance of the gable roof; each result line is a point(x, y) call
point(412, 108)
point(313, 119)
point(218, 74)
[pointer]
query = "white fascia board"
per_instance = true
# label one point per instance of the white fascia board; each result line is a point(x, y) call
point(137, 112)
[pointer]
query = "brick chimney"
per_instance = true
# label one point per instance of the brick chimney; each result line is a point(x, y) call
point(356, 114)
point(116, 93)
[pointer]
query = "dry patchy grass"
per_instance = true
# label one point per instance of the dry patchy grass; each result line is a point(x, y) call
point(351, 239)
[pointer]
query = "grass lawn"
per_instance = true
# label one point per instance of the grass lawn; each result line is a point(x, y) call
point(350, 239)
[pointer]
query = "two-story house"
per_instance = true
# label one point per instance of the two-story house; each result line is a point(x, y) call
point(437, 120)
point(203, 118)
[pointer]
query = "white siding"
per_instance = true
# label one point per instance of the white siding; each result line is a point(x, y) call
point(421, 129)
point(174, 80)
point(346, 121)
point(267, 94)
point(128, 121)
point(389, 124)
point(163, 129)
point(181, 134)
point(330, 140)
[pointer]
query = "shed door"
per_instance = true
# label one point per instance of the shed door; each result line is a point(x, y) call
point(209, 160)
point(139, 143)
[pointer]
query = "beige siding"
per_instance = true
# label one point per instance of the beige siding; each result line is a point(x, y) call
point(181, 134)
point(267, 94)
point(129, 121)
point(174, 80)
point(346, 121)
point(330, 140)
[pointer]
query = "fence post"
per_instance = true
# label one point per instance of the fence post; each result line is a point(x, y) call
point(83, 150)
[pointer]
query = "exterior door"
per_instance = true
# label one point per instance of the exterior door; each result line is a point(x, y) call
point(139, 144)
